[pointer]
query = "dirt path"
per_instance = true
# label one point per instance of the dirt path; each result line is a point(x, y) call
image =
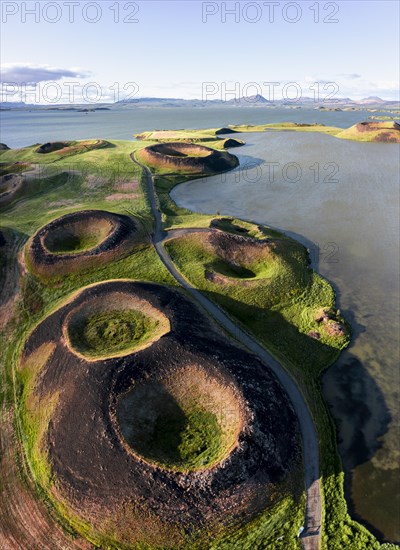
point(312, 523)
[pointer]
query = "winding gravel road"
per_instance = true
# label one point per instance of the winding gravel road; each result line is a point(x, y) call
point(311, 535)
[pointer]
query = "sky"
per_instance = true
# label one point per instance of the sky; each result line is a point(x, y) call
point(68, 52)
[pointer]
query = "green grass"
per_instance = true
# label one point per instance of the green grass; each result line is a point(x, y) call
point(110, 332)
point(200, 440)
point(280, 309)
point(284, 126)
point(185, 440)
point(34, 418)
point(12, 168)
point(173, 215)
point(202, 137)
point(82, 181)
point(275, 529)
point(181, 135)
point(73, 244)
point(241, 227)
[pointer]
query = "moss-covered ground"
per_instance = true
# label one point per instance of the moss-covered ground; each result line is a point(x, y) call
point(110, 332)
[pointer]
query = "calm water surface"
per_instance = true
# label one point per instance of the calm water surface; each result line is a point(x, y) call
point(22, 128)
point(347, 214)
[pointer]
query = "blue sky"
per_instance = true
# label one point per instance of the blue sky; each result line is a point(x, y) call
point(177, 46)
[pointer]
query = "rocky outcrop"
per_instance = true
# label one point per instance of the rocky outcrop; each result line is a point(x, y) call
point(225, 130)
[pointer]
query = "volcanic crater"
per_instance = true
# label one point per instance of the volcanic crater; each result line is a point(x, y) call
point(187, 158)
point(111, 464)
point(239, 258)
point(81, 240)
point(71, 147)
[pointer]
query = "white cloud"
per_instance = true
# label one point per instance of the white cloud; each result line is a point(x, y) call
point(30, 75)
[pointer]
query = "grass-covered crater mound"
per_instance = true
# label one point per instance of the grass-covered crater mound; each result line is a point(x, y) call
point(238, 258)
point(113, 325)
point(185, 420)
point(11, 168)
point(81, 240)
point(66, 148)
point(264, 280)
point(175, 442)
point(21, 181)
point(235, 253)
point(186, 158)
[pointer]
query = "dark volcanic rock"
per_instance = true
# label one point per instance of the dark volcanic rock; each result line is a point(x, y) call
point(225, 130)
point(51, 147)
point(94, 470)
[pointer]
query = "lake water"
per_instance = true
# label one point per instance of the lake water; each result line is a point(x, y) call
point(22, 128)
point(347, 214)
point(344, 207)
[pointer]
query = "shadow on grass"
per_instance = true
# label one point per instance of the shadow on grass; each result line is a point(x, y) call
point(157, 439)
point(360, 397)
point(307, 354)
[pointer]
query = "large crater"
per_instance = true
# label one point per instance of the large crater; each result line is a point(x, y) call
point(77, 235)
point(187, 158)
point(173, 440)
point(233, 259)
point(79, 241)
point(239, 257)
point(185, 420)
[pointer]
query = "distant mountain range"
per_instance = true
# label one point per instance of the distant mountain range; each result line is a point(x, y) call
point(254, 100)
point(372, 100)
point(249, 101)
point(258, 101)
